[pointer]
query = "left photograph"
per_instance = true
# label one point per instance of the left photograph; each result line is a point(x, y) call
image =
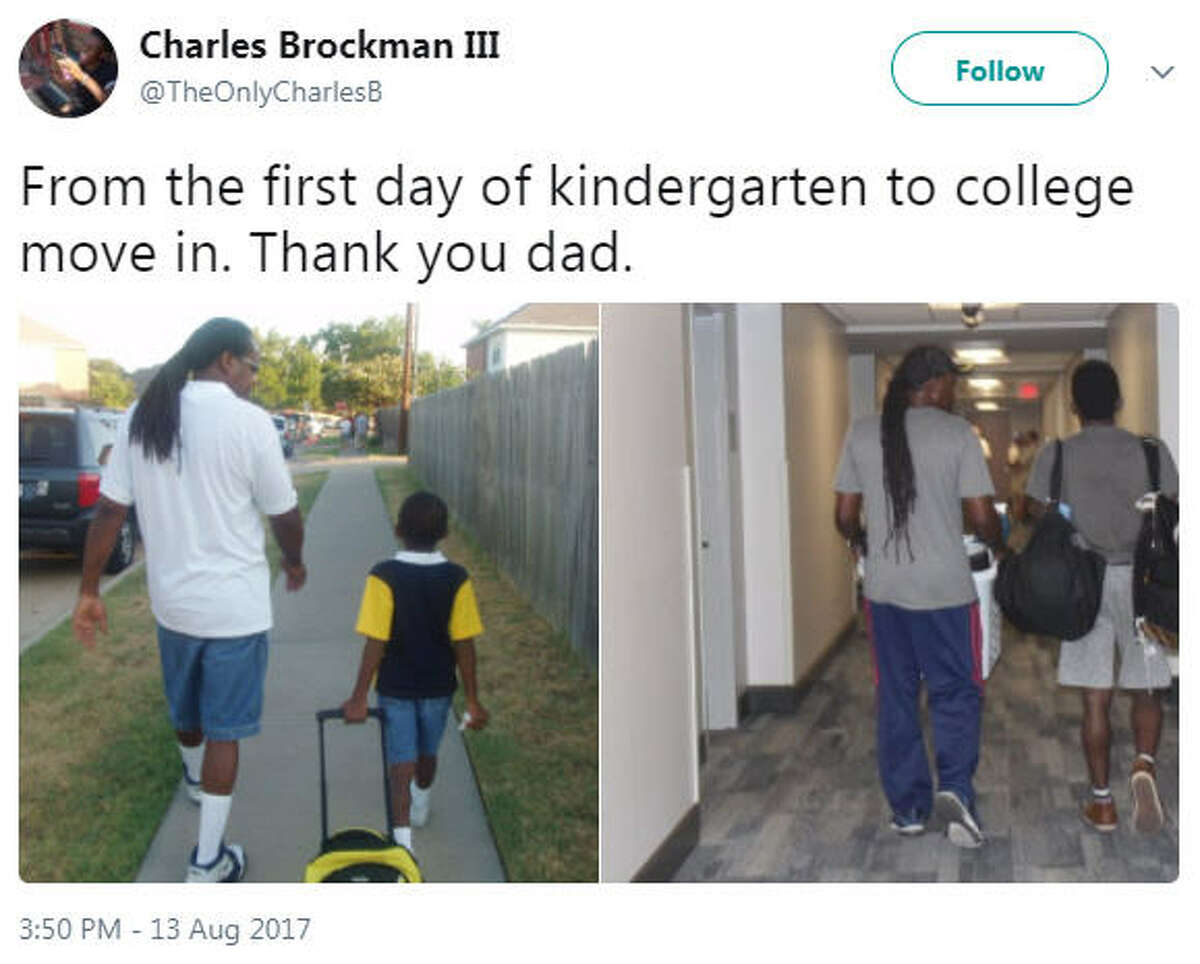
point(310, 597)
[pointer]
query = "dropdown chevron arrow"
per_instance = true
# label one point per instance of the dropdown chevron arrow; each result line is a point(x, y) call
point(1162, 73)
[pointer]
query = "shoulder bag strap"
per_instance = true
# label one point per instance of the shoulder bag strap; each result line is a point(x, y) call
point(1150, 447)
point(1056, 473)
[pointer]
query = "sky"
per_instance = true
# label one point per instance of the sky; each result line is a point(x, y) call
point(148, 331)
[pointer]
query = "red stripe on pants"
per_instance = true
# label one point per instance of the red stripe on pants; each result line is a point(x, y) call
point(977, 645)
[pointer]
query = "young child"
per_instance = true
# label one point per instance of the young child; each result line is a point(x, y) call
point(420, 620)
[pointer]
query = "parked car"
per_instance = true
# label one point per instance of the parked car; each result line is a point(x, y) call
point(285, 439)
point(62, 452)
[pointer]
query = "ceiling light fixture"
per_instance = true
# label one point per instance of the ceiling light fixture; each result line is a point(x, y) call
point(985, 384)
point(986, 407)
point(980, 353)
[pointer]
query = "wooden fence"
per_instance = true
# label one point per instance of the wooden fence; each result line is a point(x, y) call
point(514, 454)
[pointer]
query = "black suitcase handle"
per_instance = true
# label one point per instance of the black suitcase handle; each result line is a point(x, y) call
point(322, 716)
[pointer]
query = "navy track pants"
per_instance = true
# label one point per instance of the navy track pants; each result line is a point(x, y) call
point(944, 647)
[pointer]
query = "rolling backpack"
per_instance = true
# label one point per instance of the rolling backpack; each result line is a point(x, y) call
point(1156, 558)
point(1053, 586)
point(359, 855)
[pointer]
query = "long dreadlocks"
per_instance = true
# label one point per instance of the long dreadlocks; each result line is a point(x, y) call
point(155, 421)
point(899, 483)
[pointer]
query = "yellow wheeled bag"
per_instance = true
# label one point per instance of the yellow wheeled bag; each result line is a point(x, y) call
point(359, 855)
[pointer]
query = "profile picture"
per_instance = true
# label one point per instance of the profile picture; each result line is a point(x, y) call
point(68, 68)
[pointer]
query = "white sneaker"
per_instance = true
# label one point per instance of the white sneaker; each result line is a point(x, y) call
point(907, 826)
point(228, 868)
point(961, 825)
point(193, 788)
point(418, 814)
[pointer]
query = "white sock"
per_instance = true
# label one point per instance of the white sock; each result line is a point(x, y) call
point(1101, 792)
point(402, 836)
point(419, 793)
point(214, 813)
point(1147, 757)
point(193, 760)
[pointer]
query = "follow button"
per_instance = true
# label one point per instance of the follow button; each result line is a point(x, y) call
point(1047, 68)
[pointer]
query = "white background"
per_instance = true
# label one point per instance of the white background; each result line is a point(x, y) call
point(738, 88)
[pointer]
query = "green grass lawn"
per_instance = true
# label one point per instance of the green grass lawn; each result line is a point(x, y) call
point(537, 761)
point(321, 449)
point(98, 763)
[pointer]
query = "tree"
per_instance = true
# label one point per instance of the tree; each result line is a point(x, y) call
point(289, 373)
point(362, 366)
point(270, 388)
point(381, 380)
point(432, 375)
point(109, 385)
point(338, 385)
point(302, 377)
point(347, 343)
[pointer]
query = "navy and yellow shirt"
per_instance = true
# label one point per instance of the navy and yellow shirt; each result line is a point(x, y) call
point(420, 603)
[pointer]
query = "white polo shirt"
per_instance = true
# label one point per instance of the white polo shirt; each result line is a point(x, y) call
point(200, 512)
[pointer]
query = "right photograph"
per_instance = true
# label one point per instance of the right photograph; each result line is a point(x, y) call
point(889, 592)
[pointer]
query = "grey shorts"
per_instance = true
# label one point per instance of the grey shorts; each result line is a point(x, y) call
point(1088, 661)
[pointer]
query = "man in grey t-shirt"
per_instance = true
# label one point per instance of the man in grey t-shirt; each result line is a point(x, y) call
point(916, 469)
point(1104, 475)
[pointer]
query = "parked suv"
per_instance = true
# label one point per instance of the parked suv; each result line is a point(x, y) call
point(62, 452)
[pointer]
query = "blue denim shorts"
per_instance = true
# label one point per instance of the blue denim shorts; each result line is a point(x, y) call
point(214, 685)
point(414, 727)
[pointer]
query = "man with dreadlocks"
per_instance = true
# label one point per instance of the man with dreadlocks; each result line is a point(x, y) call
point(917, 469)
point(202, 463)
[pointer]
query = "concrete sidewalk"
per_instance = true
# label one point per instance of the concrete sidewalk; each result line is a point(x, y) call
point(313, 662)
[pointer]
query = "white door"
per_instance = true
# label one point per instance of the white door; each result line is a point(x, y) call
point(710, 413)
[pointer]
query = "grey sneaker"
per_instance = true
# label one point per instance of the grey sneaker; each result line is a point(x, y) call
point(228, 868)
point(961, 826)
point(193, 788)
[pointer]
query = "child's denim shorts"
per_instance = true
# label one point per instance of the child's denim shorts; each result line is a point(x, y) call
point(214, 685)
point(414, 727)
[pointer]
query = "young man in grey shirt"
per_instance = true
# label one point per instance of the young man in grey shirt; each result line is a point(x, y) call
point(1104, 474)
point(916, 469)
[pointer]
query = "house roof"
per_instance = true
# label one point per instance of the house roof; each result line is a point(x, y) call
point(543, 316)
point(32, 332)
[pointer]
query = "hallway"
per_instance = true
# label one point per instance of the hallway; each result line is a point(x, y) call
point(797, 797)
point(746, 585)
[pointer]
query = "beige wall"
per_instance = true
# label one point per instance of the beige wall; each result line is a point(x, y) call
point(649, 745)
point(817, 404)
point(1133, 352)
point(1058, 421)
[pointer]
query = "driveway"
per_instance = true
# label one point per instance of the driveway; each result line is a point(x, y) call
point(49, 584)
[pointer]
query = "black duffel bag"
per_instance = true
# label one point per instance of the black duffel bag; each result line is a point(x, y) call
point(1156, 558)
point(1053, 586)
